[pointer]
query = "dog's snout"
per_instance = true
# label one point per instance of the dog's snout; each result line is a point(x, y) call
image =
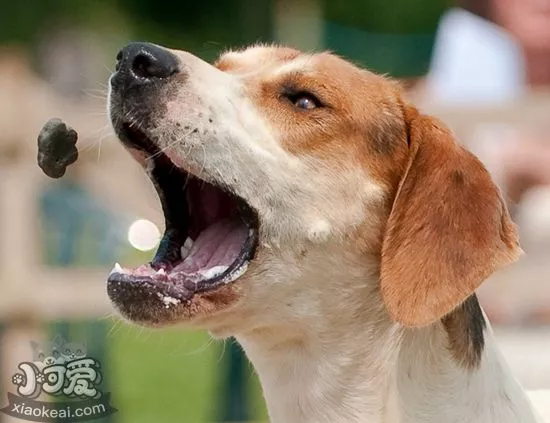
point(145, 62)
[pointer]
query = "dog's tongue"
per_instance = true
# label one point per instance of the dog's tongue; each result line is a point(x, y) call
point(215, 249)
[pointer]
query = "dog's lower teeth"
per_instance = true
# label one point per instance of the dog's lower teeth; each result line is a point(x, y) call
point(237, 273)
point(213, 271)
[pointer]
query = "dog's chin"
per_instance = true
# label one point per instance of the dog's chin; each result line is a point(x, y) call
point(210, 238)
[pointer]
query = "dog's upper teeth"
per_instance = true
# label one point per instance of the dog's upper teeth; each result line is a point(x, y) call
point(149, 165)
point(161, 272)
point(116, 269)
point(188, 243)
point(186, 248)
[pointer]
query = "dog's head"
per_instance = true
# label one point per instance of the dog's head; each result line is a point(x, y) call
point(283, 175)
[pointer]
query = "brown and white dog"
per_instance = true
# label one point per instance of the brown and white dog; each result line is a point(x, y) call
point(337, 232)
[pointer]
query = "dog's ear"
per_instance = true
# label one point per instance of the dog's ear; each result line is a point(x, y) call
point(448, 229)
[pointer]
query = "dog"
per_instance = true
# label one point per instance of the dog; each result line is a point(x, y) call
point(338, 233)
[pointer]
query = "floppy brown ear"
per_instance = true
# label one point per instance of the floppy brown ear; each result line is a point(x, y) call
point(448, 229)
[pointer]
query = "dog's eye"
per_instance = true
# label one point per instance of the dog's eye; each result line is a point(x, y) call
point(305, 102)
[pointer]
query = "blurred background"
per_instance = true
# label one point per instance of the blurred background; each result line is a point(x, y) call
point(483, 66)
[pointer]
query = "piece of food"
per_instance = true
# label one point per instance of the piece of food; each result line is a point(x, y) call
point(56, 147)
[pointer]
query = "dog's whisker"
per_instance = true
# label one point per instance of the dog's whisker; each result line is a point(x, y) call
point(222, 351)
point(96, 113)
point(115, 328)
point(99, 150)
point(98, 95)
point(172, 144)
point(202, 348)
point(108, 69)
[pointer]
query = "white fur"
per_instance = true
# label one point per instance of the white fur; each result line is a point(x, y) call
point(541, 400)
point(336, 368)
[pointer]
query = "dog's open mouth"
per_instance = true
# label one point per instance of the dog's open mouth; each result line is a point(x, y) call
point(210, 237)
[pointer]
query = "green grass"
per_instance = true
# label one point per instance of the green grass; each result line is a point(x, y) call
point(169, 375)
point(160, 376)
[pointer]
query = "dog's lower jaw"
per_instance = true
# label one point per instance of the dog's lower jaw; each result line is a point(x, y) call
point(375, 371)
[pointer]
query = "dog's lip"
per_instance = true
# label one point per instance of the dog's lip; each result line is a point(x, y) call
point(136, 138)
point(143, 301)
point(118, 280)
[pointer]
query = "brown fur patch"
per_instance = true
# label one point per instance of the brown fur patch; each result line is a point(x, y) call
point(359, 124)
point(465, 327)
point(448, 229)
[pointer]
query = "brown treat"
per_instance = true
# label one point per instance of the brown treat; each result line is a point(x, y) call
point(56, 147)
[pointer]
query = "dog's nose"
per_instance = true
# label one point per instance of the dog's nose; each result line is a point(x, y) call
point(146, 62)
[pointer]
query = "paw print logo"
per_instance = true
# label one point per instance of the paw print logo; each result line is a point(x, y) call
point(40, 378)
point(18, 379)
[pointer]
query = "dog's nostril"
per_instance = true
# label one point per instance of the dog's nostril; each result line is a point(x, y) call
point(146, 66)
point(118, 60)
point(153, 62)
point(142, 63)
point(142, 66)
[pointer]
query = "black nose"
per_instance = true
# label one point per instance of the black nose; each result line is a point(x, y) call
point(146, 62)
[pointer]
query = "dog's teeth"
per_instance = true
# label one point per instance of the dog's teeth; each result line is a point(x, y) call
point(237, 273)
point(161, 272)
point(213, 271)
point(186, 247)
point(188, 243)
point(150, 165)
point(116, 269)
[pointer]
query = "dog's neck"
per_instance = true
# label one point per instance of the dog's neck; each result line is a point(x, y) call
point(339, 368)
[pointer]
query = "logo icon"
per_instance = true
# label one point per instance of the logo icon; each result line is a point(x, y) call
point(60, 370)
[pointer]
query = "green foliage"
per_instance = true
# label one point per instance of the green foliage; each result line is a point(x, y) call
point(204, 27)
point(394, 54)
point(387, 16)
point(230, 22)
point(24, 21)
point(209, 26)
